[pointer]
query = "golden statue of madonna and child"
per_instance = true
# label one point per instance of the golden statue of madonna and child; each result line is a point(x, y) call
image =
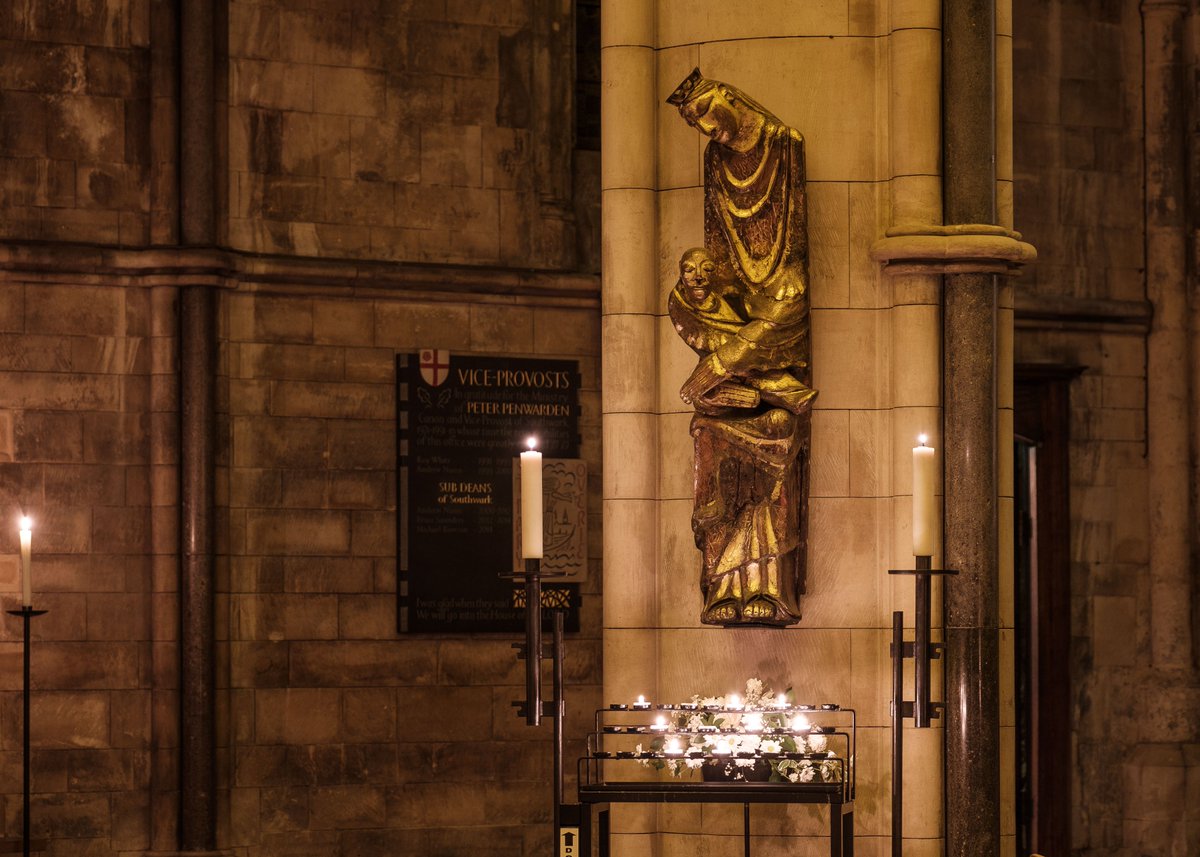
point(742, 304)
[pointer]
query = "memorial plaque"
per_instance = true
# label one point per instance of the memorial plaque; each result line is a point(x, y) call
point(462, 420)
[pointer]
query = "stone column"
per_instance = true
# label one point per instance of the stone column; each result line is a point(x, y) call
point(969, 359)
point(198, 815)
point(630, 300)
point(197, 763)
point(915, 190)
point(1167, 347)
point(553, 84)
point(197, 161)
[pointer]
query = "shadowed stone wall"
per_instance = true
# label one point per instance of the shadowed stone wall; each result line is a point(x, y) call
point(74, 121)
point(1081, 194)
point(390, 131)
point(343, 739)
point(418, 156)
point(79, 455)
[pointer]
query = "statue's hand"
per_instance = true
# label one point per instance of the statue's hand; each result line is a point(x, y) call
point(708, 373)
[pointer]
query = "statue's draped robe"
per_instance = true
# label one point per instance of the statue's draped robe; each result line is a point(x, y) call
point(752, 462)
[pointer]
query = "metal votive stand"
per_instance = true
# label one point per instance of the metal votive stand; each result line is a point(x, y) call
point(27, 844)
point(922, 711)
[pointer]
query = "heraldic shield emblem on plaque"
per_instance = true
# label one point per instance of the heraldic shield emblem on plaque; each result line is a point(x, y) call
point(435, 366)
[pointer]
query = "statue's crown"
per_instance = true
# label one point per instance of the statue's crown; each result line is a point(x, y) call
point(688, 88)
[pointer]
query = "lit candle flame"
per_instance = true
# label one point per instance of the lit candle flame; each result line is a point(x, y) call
point(921, 439)
point(781, 701)
point(722, 748)
point(26, 523)
point(800, 723)
point(660, 723)
point(531, 442)
point(674, 747)
point(734, 701)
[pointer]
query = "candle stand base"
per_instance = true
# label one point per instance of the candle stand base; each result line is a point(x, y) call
point(920, 709)
point(533, 708)
point(26, 613)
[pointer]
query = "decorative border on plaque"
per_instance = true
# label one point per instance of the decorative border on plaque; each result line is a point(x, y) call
point(564, 504)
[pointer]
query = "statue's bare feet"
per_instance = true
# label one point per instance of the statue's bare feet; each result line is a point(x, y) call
point(759, 610)
point(768, 612)
point(720, 613)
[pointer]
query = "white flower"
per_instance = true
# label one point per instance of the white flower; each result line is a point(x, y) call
point(818, 743)
point(807, 773)
point(769, 746)
point(754, 691)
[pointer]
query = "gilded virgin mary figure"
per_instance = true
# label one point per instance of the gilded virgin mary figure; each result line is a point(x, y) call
point(742, 304)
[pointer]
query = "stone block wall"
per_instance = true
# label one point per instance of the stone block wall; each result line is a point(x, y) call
point(861, 82)
point(396, 132)
point(1078, 158)
point(336, 734)
point(1080, 198)
point(74, 121)
point(426, 146)
point(79, 453)
point(342, 737)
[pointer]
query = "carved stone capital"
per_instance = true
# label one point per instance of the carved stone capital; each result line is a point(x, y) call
point(967, 248)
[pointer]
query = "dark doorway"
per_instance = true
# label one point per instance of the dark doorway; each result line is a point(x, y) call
point(1042, 593)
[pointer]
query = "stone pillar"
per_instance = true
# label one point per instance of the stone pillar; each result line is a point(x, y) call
point(969, 359)
point(915, 191)
point(629, 396)
point(197, 160)
point(1167, 347)
point(553, 92)
point(197, 364)
point(197, 828)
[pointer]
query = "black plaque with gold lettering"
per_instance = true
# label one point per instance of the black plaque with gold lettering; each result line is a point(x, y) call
point(462, 420)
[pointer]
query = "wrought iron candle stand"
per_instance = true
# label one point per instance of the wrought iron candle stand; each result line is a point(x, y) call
point(533, 708)
point(922, 711)
point(740, 776)
point(26, 613)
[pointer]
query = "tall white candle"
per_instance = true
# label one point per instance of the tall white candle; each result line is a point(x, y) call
point(531, 502)
point(26, 578)
point(924, 529)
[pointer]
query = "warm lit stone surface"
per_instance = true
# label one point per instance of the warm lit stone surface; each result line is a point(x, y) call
point(877, 369)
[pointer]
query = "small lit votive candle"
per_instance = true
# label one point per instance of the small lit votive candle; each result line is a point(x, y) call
point(641, 704)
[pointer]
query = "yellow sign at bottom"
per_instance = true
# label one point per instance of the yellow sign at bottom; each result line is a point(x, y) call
point(568, 842)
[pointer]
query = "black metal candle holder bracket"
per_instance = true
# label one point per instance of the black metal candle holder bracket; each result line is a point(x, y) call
point(533, 708)
point(921, 709)
point(27, 845)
